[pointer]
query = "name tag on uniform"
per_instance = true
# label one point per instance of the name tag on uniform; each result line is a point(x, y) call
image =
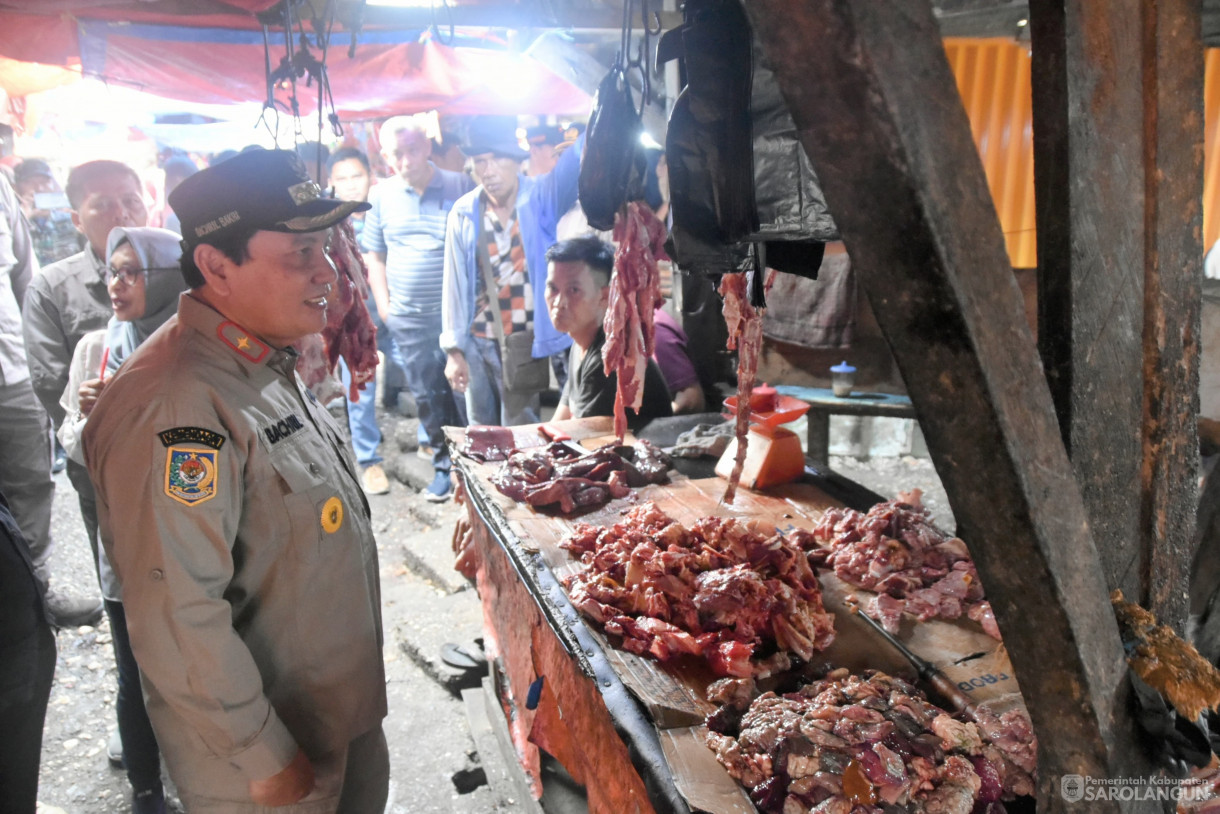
point(285, 427)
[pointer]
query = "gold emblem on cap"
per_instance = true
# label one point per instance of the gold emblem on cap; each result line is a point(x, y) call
point(305, 192)
point(332, 515)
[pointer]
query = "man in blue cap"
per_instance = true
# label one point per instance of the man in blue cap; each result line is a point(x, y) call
point(230, 501)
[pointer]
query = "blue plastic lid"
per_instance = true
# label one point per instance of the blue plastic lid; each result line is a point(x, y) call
point(842, 367)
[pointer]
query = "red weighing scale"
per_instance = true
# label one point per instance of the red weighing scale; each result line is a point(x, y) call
point(773, 452)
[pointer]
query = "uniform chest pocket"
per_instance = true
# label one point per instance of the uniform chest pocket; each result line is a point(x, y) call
point(315, 510)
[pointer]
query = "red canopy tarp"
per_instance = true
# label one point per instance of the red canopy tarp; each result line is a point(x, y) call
point(392, 72)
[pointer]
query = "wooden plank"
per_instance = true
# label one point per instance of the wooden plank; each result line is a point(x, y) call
point(1119, 246)
point(881, 118)
point(1173, 172)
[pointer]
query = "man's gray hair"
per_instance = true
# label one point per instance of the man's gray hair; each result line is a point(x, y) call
point(387, 135)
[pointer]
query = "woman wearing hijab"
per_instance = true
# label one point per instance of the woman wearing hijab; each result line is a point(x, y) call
point(144, 280)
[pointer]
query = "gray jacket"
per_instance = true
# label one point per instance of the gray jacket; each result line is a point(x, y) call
point(17, 266)
point(64, 302)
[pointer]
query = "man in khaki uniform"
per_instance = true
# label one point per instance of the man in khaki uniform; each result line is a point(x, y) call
point(232, 511)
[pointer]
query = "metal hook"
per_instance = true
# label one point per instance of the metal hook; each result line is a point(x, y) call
point(656, 19)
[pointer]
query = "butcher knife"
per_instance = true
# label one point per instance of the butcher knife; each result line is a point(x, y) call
point(927, 671)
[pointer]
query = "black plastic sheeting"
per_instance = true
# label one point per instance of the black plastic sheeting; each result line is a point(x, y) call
point(630, 720)
point(738, 174)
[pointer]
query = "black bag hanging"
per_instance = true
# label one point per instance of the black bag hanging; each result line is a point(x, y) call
point(738, 173)
point(612, 145)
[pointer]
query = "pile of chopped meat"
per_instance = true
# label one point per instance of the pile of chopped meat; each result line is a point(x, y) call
point(912, 566)
point(742, 599)
point(744, 322)
point(563, 475)
point(349, 332)
point(635, 294)
point(858, 744)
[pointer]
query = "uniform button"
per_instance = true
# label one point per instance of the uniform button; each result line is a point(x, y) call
point(314, 469)
point(157, 574)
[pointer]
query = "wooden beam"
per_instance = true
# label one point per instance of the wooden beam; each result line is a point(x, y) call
point(1173, 177)
point(881, 119)
point(1118, 181)
point(509, 15)
point(1090, 223)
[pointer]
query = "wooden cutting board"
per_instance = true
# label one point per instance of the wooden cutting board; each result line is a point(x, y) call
point(674, 693)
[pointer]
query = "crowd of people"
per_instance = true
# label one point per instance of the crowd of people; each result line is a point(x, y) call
point(215, 489)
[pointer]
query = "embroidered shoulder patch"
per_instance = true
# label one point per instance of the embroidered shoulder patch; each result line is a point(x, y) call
point(190, 475)
point(196, 435)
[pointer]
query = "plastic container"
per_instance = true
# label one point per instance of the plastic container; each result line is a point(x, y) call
point(842, 379)
point(763, 399)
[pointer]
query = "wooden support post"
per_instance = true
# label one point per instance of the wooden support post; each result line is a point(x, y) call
point(1173, 177)
point(1118, 128)
point(880, 117)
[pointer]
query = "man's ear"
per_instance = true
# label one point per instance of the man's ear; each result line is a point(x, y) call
point(76, 221)
point(603, 296)
point(214, 266)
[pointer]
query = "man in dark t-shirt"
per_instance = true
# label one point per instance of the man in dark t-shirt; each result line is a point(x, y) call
point(577, 294)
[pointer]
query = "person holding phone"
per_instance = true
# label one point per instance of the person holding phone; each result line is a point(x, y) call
point(47, 209)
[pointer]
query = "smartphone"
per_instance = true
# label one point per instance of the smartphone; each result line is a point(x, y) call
point(51, 200)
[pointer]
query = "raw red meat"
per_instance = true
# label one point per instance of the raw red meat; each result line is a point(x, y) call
point(559, 474)
point(744, 322)
point(859, 744)
point(485, 443)
point(635, 294)
point(349, 332)
point(912, 566)
point(721, 589)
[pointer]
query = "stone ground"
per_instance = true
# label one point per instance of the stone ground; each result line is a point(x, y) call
point(435, 768)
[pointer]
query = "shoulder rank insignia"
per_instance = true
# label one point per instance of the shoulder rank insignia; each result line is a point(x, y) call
point(240, 340)
point(197, 435)
point(190, 475)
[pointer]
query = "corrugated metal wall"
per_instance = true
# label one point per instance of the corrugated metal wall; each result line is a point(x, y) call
point(1211, 147)
point(993, 78)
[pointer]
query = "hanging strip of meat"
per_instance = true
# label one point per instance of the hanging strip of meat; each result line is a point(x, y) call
point(744, 322)
point(349, 332)
point(635, 293)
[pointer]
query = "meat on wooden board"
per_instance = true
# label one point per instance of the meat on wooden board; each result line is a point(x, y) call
point(742, 598)
point(561, 475)
point(913, 566)
point(868, 744)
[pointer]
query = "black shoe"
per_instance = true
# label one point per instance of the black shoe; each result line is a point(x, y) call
point(73, 611)
point(149, 801)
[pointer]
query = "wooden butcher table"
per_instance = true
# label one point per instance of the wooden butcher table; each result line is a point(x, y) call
point(625, 727)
